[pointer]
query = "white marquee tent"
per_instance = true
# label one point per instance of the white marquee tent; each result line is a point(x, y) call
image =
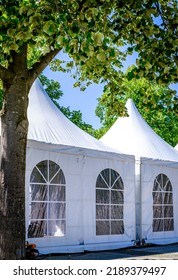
point(156, 176)
point(176, 147)
point(79, 192)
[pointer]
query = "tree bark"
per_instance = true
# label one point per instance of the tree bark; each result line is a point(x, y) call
point(17, 80)
point(14, 127)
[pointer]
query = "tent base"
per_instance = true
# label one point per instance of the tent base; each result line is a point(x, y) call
point(162, 241)
point(107, 246)
point(83, 248)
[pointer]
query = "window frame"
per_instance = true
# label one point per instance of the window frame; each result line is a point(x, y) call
point(53, 206)
point(109, 186)
point(163, 212)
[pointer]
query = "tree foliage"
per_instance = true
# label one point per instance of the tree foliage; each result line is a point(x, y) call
point(157, 104)
point(151, 29)
point(146, 27)
point(53, 88)
point(45, 26)
point(92, 33)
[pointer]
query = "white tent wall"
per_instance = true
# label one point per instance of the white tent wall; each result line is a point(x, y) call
point(138, 204)
point(91, 170)
point(153, 156)
point(150, 169)
point(81, 168)
point(71, 168)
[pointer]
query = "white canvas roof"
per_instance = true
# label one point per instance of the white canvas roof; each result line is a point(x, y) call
point(48, 124)
point(176, 147)
point(132, 135)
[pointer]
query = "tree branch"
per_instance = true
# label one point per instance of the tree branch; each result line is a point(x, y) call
point(4, 72)
point(38, 67)
point(160, 13)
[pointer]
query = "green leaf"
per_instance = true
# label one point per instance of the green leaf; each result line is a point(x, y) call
point(101, 57)
point(11, 32)
point(112, 53)
point(60, 40)
point(77, 84)
point(130, 75)
point(98, 38)
point(48, 28)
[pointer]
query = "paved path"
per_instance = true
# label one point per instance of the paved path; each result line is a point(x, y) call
point(166, 252)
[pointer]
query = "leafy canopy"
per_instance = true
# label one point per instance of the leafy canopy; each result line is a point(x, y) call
point(146, 27)
point(92, 32)
point(151, 29)
point(45, 26)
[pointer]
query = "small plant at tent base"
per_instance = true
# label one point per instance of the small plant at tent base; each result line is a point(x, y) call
point(140, 243)
point(30, 251)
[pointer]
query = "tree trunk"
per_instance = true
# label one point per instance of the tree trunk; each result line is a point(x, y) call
point(17, 80)
point(14, 127)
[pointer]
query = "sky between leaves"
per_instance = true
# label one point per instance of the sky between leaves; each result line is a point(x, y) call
point(85, 101)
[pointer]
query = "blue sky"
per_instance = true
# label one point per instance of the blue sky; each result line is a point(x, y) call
point(85, 101)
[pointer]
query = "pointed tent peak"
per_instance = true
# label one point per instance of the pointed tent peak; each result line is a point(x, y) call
point(132, 109)
point(38, 87)
point(130, 105)
point(132, 135)
point(135, 117)
point(37, 84)
point(49, 125)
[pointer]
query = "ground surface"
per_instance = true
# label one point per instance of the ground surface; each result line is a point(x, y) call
point(166, 252)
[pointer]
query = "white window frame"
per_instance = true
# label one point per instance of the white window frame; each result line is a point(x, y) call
point(162, 190)
point(47, 183)
point(111, 188)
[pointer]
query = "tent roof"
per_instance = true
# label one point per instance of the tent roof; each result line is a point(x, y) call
point(132, 135)
point(176, 147)
point(49, 125)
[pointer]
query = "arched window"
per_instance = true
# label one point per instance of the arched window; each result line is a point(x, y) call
point(162, 204)
point(47, 201)
point(109, 203)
